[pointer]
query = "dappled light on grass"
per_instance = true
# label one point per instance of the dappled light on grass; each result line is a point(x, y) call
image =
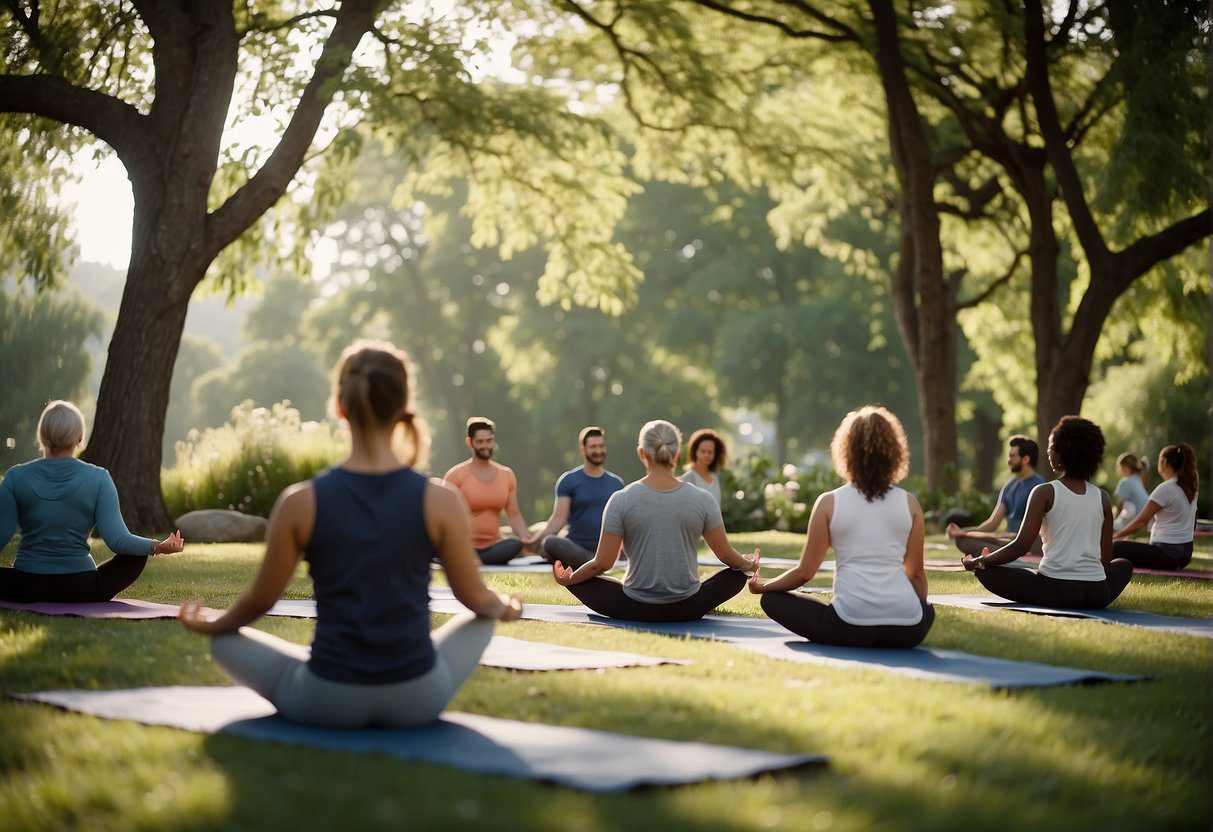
point(904, 754)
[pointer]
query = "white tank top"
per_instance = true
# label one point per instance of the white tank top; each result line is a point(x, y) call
point(869, 540)
point(1070, 532)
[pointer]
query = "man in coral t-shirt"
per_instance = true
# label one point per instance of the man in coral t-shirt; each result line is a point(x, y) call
point(488, 488)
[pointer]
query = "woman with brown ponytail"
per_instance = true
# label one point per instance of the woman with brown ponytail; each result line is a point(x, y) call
point(1172, 506)
point(1131, 494)
point(369, 529)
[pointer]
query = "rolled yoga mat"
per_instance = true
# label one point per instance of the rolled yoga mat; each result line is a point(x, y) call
point(580, 758)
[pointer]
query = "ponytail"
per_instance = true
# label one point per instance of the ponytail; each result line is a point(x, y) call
point(1182, 460)
point(372, 387)
point(660, 441)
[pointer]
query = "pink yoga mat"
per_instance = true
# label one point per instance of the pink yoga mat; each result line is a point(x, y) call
point(99, 609)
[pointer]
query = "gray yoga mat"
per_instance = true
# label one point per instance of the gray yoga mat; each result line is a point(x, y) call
point(1199, 627)
point(503, 652)
point(764, 636)
point(581, 758)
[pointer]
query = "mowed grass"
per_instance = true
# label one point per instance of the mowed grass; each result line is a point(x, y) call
point(904, 754)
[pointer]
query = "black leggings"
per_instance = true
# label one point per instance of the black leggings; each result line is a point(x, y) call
point(101, 584)
point(605, 596)
point(820, 623)
point(970, 545)
point(1168, 556)
point(501, 552)
point(1027, 586)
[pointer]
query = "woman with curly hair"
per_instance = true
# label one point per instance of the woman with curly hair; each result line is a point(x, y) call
point(706, 455)
point(1172, 506)
point(1075, 520)
point(876, 530)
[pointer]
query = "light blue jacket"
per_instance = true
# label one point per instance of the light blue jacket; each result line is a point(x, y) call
point(55, 503)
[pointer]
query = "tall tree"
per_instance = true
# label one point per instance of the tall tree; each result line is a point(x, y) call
point(155, 81)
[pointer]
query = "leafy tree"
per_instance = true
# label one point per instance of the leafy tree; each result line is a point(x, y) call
point(196, 357)
point(163, 84)
point(266, 373)
point(43, 356)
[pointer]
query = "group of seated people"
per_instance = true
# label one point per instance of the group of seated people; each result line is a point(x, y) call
point(370, 527)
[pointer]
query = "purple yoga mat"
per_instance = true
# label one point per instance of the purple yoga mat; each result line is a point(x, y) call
point(99, 609)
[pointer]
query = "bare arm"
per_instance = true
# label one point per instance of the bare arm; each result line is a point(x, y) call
point(816, 543)
point(604, 560)
point(514, 514)
point(912, 563)
point(289, 529)
point(986, 526)
point(560, 516)
point(1039, 503)
point(450, 530)
point(718, 541)
point(1139, 522)
point(1105, 533)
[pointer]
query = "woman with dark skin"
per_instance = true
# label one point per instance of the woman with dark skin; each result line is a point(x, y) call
point(1075, 520)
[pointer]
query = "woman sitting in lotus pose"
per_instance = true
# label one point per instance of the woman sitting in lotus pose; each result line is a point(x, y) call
point(1074, 518)
point(368, 529)
point(659, 520)
point(876, 530)
point(56, 502)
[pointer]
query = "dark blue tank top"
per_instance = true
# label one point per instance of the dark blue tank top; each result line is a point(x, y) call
point(369, 558)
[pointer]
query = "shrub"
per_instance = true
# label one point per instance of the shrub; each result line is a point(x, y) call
point(246, 463)
point(757, 496)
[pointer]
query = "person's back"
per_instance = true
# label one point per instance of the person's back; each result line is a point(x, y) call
point(1071, 530)
point(369, 558)
point(660, 531)
point(1131, 491)
point(869, 541)
point(58, 502)
point(1175, 520)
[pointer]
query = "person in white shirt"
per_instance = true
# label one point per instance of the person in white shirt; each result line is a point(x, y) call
point(876, 530)
point(1172, 506)
point(706, 455)
point(1074, 518)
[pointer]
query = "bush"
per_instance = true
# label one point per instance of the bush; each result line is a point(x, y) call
point(757, 496)
point(246, 463)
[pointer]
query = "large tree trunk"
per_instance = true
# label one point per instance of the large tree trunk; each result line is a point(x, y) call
point(133, 399)
point(923, 298)
point(987, 446)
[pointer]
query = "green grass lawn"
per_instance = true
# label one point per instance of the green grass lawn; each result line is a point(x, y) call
point(904, 754)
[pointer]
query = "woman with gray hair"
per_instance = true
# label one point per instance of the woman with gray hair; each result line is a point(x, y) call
point(659, 520)
point(55, 502)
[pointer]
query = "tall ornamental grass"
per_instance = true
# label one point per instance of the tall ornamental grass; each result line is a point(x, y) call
point(246, 463)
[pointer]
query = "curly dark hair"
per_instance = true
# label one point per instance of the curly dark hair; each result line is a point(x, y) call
point(870, 451)
point(1076, 446)
point(707, 435)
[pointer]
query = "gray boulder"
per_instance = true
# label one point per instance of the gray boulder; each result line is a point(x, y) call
point(217, 525)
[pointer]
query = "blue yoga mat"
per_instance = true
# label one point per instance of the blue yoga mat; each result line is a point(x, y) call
point(1199, 627)
point(761, 635)
point(581, 758)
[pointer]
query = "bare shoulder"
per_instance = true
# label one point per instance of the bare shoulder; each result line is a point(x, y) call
point(912, 502)
point(298, 497)
point(441, 496)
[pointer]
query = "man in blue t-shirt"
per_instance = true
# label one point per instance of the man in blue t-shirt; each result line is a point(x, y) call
point(581, 495)
point(1012, 502)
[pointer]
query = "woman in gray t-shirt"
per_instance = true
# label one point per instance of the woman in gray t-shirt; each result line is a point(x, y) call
point(660, 521)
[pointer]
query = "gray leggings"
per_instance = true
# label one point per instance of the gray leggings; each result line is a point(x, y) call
point(277, 669)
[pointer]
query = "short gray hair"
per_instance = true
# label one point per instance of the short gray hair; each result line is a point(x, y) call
point(60, 426)
point(660, 441)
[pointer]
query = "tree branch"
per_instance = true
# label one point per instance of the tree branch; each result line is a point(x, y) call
point(268, 185)
point(782, 25)
point(271, 26)
point(1062, 162)
point(115, 122)
point(1147, 252)
point(985, 293)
